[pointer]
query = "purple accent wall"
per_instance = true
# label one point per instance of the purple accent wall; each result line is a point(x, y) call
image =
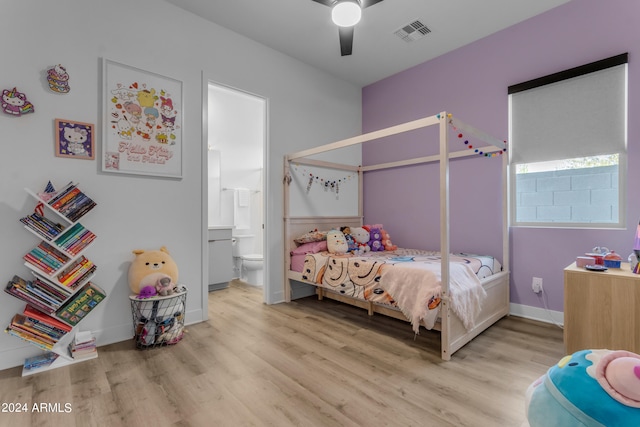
point(471, 82)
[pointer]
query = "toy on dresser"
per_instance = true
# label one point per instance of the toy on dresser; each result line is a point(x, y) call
point(587, 388)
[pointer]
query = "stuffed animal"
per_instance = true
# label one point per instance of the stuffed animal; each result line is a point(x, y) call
point(164, 285)
point(147, 292)
point(587, 388)
point(336, 242)
point(361, 236)
point(375, 238)
point(351, 242)
point(149, 268)
point(386, 241)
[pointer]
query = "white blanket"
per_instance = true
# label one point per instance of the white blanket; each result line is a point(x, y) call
point(414, 285)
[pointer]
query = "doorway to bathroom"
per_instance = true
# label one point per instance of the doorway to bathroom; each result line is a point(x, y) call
point(236, 145)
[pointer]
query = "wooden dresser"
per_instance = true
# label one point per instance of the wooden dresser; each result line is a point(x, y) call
point(601, 309)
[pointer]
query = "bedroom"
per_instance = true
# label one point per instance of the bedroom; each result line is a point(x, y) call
point(478, 74)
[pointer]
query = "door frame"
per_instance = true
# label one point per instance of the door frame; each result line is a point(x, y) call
point(267, 287)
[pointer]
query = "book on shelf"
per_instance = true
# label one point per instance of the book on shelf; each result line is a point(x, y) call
point(83, 345)
point(52, 290)
point(40, 361)
point(37, 327)
point(76, 240)
point(81, 303)
point(52, 251)
point(27, 337)
point(78, 246)
point(42, 226)
point(36, 315)
point(40, 331)
point(81, 210)
point(36, 292)
point(57, 195)
point(83, 337)
point(68, 234)
point(61, 289)
point(46, 258)
point(38, 263)
point(67, 198)
point(81, 277)
point(78, 205)
point(72, 275)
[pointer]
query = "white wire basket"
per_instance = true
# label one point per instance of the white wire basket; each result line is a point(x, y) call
point(158, 320)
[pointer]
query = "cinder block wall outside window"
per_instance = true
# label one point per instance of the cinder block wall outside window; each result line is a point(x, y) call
point(574, 195)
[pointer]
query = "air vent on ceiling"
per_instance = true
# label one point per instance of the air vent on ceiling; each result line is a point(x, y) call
point(412, 31)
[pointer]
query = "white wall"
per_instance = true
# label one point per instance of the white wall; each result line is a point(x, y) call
point(137, 211)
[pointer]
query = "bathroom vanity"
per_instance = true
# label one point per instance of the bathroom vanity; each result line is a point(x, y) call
point(220, 257)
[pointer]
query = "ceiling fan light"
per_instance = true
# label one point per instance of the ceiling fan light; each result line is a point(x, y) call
point(346, 14)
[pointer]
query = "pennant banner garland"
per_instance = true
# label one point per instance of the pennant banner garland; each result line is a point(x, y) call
point(493, 151)
point(332, 184)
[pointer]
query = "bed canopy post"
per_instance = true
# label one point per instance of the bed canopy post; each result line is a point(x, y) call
point(506, 220)
point(360, 193)
point(444, 233)
point(286, 226)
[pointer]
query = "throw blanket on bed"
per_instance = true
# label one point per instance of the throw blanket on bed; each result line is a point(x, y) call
point(415, 286)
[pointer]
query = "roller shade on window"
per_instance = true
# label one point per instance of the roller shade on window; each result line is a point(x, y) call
point(576, 113)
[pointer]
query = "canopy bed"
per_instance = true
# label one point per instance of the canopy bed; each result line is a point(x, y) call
point(471, 292)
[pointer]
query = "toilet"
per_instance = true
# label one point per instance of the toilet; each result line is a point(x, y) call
point(250, 265)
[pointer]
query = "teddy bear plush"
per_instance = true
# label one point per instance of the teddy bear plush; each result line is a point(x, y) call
point(386, 241)
point(375, 238)
point(165, 285)
point(154, 269)
point(587, 388)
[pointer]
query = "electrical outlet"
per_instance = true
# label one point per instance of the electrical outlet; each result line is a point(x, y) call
point(536, 285)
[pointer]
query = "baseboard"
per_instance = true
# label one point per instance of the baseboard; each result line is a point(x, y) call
point(15, 356)
point(537, 313)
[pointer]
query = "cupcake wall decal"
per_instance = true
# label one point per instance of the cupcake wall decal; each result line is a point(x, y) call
point(58, 79)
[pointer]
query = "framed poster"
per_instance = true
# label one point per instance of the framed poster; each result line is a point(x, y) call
point(142, 122)
point(75, 139)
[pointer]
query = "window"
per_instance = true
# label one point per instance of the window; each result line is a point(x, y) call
point(568, 139)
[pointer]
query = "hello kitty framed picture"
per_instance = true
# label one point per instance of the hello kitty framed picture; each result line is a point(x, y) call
point(75, 139)
point(141, 122)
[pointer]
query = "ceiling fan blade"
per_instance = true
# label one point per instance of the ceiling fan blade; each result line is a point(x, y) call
point(325, 2)
point(346, 40)
point(367, 3)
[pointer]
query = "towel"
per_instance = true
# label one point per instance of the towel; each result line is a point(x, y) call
point(241, 209)
point(243, 197)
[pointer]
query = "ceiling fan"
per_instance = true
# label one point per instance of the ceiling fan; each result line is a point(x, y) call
point(346, 14)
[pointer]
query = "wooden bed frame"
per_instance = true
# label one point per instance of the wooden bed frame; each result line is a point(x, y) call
point(453, 333)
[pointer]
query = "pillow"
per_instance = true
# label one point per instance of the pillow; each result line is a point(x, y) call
point(336, 242)
point(312, 236)
point(297, 262)
point(310, 248)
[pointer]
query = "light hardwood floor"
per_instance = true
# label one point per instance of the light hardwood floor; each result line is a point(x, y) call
point(307, 363)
